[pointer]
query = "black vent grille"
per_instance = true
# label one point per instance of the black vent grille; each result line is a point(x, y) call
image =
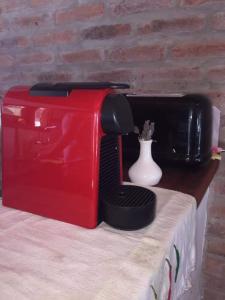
point(132, 196)
point(133, 207)
point(109, 165)
point(109, 179)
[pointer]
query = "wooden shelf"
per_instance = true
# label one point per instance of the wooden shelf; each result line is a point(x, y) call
point(189, 180)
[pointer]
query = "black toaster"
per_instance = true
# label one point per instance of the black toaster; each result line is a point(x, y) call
point(183, 128)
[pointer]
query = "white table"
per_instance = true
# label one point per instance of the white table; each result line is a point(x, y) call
point(46, 259)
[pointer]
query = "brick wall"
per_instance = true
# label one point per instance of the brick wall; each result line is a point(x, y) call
point(156, 45)
point(214, 265)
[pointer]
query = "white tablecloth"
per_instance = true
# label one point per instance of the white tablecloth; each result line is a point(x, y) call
point(46, 259)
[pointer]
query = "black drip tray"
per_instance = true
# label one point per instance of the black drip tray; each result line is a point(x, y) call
point(130, 208)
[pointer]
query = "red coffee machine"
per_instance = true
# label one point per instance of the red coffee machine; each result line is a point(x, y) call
point(62, 154)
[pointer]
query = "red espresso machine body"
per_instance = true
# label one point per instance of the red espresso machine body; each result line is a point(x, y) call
point(51, 139)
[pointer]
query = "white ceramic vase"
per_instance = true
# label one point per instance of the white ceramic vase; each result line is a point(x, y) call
point(145, 171)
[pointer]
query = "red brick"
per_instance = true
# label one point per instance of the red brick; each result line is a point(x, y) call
point(216, 245)
point(54, 76)
point(214, 283)
point(125, 7)
point(2, 93)
point(39, 2)
point(82, 56)
point(218, 21)
point(218, 99)
point(35, 58)
point(172, 86)
point(8, 78)
point(195, 2)
point(53, 38)
point(216, 227)
point(139, 53)
point(221, 170)
point(214, 264)
point(199, 49)
point(145, 29)
point(21, 41)
point(11, 5)
point(106, 31)
point(169, 73)
point(6, 60)
point(15, 77)
point(31, 21)
point(211, 294)
point(118, 75)
point(222, 123)
point(222, 137)
point(42, 2)
point(2, 27)
point(79, 13)
point(193, 23)
point(219, 188)
point(216, 73)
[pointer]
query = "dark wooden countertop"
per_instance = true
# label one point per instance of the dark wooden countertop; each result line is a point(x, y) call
point(189, 180)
